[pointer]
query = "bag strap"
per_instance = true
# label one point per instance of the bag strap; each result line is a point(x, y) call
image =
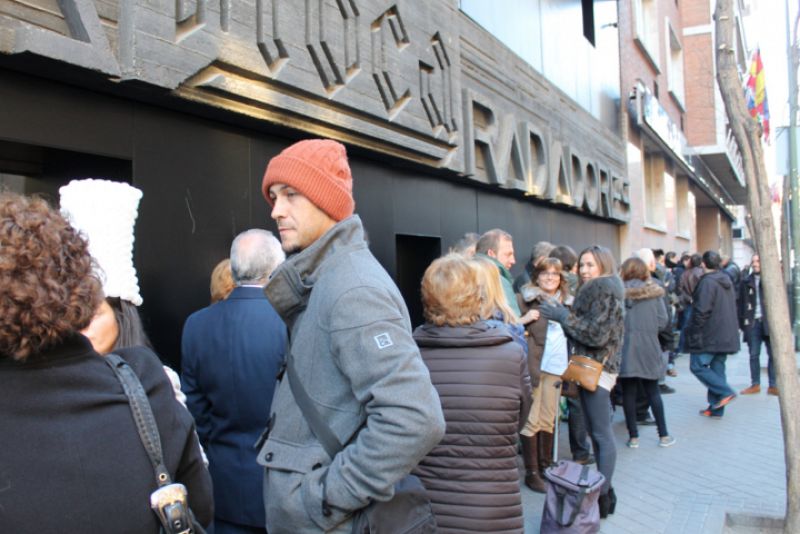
point(142, 415)
point(321, 430)
point(583, 481)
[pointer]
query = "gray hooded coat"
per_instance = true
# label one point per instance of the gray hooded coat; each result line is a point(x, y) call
point(352, 348)
point(645, 316)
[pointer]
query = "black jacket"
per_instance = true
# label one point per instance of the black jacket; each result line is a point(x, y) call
point(72, 461)
point(713, 325)
point(747, 303)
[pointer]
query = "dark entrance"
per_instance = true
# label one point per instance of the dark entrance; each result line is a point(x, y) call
point(414, 254)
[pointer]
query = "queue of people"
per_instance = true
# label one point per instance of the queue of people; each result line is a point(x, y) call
point(312, 329)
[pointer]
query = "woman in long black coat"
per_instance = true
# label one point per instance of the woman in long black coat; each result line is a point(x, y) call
point(72, 460)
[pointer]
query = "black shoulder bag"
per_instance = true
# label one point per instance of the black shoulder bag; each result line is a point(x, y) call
point(170, 501)
point(408, 512)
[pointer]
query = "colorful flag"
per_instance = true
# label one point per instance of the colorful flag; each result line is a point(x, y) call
point(756, 93)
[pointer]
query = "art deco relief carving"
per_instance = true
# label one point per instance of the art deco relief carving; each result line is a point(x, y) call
point(297, 63)
point(336, 65)
point(85, 43)
point(189, 19)
point(267, 31)
point(438, 102)
point(500, 150)
point(389, 37)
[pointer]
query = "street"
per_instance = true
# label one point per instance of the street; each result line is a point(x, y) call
point(731, 465)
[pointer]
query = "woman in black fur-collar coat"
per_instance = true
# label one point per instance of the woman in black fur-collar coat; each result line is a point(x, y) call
point(642, 364)
point(595, 326)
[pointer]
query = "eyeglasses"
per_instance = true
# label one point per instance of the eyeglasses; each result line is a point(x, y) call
point(545, 274)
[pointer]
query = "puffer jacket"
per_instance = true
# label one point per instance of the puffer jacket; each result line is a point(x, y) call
point(471, 476)
point(645, 316)
point(713, 325)
point(530, 299)
point(596, 322)
point(352, 349)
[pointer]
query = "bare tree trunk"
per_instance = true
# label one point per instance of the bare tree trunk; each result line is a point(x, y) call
point(748, 136)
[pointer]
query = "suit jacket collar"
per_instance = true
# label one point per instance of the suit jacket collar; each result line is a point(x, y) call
point(247, 293)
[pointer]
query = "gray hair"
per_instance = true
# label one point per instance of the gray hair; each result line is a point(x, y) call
point(647, 256)
point(490, 240)
point(254, 255)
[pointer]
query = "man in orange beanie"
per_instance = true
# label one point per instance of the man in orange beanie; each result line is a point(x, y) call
point(351, 360)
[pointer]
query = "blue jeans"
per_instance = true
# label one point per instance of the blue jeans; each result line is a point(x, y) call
point(754, 336)
point(709, 368)
point(687, 314)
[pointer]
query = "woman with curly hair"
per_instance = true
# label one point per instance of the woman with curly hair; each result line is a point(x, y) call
point(72, 458)
point(482, 379)
point(595, 327)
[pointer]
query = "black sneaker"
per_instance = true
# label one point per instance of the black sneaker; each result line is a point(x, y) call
point(648, 421)
point(665, 389)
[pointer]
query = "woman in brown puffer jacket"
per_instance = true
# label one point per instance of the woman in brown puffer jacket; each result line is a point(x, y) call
point(482, 379)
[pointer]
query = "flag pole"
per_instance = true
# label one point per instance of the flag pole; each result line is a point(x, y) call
point(793, 179)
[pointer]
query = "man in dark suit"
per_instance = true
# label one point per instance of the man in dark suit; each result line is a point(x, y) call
point(232, 352)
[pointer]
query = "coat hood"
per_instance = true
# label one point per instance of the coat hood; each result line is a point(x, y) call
point(641, 290)
point(720, 278)
point(479, 334)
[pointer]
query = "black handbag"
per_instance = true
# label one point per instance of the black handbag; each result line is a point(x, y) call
point(170, 502)
point(407, 512)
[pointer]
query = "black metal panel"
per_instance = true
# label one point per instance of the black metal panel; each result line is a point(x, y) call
point(202, 185)
point(60, 116)
point(195, 178)
point(373, 190)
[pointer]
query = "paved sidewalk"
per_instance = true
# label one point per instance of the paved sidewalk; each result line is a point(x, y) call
point(734, 464)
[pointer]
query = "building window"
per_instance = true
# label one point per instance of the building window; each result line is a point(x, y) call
point(675, 66)
point(646, 29)
point(655, 215)
point(587, 7)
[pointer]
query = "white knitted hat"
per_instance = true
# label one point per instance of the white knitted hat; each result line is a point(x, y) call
point(105, 212)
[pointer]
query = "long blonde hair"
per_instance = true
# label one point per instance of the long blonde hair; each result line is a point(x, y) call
point(493, 297)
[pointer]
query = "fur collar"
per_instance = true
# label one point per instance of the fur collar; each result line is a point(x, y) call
point(639, 290)
point(531, 293)
point(610, 284)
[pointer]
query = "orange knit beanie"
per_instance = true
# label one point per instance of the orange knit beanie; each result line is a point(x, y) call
point(318, 169)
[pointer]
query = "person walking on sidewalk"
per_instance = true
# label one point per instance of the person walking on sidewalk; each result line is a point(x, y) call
point(642, 364)
point(754, 325)
point(712, 333)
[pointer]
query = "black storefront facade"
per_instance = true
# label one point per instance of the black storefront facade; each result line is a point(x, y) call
point(448, 131)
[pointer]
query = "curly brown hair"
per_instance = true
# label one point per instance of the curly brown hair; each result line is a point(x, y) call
point(48, 289)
